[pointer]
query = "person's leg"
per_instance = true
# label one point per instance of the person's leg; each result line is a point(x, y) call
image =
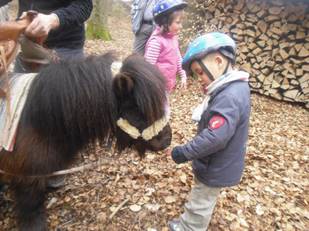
point(70, 54)
point(3, 183)
point(2, 186)
point(198, 209)
point(141, 38)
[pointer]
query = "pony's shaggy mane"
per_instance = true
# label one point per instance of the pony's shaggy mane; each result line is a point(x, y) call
point(149, 87)
point(73, 102)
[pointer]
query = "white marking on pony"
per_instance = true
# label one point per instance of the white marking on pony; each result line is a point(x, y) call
point(115, 67)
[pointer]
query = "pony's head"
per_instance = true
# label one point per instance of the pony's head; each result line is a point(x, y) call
point(142, 107)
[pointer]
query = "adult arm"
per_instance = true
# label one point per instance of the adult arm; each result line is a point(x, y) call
point(4, 2)
point(74, 14)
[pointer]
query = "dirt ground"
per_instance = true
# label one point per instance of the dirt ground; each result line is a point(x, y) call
point(273, 194)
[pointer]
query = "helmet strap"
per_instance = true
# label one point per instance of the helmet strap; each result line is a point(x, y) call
point(226, 67)
point(228, 61)
point(205, 69)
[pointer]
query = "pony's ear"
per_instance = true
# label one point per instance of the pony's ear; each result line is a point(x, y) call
point(122, 85)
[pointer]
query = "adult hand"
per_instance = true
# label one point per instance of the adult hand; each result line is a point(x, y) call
point(42, 24)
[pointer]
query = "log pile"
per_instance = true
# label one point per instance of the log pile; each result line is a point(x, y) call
point(272, 38)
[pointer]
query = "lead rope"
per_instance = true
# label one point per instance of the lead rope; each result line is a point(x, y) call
point(63, 172)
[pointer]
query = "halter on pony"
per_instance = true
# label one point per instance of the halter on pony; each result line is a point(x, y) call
point(149, 132)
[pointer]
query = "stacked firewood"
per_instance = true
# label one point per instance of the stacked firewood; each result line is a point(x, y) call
point(272, 38)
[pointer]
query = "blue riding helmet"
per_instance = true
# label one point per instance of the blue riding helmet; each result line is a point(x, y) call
point(163, 7)
point(207, 43)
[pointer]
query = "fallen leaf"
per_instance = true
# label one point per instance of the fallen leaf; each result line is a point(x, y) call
point(135, 208)
point(170, 199)
point(259, 210)
point(152, 207)
point(183, 178)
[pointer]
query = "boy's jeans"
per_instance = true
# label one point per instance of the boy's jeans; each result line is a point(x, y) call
point(199, 208)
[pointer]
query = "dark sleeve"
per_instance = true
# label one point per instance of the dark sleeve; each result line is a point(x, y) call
point(225, 114)
point(4, 2)
point(74, 14)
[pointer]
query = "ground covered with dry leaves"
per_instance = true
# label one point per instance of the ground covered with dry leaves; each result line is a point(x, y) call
point(273, 194)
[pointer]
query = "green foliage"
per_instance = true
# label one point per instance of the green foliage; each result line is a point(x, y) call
point(95, 31)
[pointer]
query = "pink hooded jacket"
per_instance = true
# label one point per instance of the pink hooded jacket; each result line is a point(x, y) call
point(163, 51)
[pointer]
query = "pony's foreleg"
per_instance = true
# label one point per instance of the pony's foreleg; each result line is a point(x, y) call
point(30, 197)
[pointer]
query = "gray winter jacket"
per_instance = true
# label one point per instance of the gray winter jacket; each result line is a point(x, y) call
point(138, 9)
point(218, 150)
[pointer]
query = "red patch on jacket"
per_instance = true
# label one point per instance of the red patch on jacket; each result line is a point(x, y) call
point(216, 122)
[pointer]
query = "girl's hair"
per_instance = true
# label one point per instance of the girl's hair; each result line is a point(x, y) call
point(165, 20)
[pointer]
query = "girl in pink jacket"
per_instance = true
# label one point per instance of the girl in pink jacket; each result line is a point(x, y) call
point(162, 48)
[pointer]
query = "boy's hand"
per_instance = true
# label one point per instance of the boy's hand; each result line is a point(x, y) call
point(168, 152)
point(177, 156)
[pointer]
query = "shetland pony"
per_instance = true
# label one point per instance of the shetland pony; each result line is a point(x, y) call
point(71, 106)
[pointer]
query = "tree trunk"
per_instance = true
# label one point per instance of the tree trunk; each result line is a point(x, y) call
point(97, 26)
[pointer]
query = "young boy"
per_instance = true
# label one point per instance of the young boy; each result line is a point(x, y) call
point(217, 151)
